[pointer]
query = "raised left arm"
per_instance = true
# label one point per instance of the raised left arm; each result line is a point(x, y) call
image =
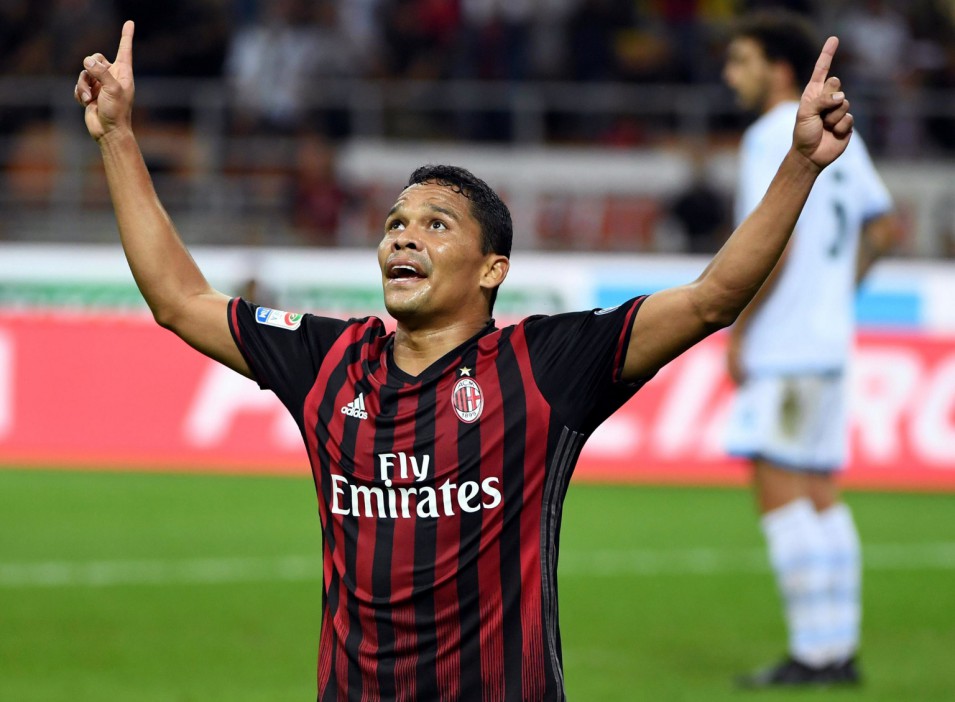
point(671, 321)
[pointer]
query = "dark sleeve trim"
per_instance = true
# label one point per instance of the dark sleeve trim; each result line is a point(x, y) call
point(624, 340)
point(234, 323)
point(233, 317)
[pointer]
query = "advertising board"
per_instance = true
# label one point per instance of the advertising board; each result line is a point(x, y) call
point(87, 379)
point(118, 391)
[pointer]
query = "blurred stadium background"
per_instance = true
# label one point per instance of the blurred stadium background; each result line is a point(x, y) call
point(158, 537)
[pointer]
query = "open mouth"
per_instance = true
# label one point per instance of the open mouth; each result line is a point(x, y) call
point(404, 270)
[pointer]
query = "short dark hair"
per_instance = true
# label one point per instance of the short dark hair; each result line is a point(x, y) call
point(492, 215)
point(783, 36)
point(487, 208)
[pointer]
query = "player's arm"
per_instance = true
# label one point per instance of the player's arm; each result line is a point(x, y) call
point(671, 321)
point(738, 331)
point(879, 236)
point(179, 296)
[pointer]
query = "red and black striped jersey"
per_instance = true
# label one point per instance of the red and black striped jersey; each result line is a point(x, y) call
point(440, 495)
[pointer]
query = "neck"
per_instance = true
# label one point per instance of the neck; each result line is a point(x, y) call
point(416, 348)
point(778, 97)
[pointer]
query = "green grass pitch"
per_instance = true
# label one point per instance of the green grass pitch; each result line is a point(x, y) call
point(179, 588)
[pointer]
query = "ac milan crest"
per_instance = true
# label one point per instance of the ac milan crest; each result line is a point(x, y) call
point(467, 400)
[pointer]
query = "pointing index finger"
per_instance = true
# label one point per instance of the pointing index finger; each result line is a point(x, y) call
point(821, 71)
point(125, 52)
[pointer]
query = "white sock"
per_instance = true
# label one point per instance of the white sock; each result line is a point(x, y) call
point(845, 579)
point(797, 553)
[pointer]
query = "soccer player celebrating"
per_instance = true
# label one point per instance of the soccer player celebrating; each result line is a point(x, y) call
point(441, 452)
point(788, 353)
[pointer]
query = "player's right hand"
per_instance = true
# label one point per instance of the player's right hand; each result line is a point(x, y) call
point(106, 89)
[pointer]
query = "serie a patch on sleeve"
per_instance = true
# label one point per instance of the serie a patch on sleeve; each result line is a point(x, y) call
point(278, 318)
point(606, 310)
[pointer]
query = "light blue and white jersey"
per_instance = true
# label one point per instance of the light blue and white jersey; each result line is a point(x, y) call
point(807, 322)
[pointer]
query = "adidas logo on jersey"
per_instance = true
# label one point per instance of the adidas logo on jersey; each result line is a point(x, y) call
point(356, 408)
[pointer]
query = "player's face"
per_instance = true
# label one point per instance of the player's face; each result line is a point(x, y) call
point(748, 73)
point(432, 268)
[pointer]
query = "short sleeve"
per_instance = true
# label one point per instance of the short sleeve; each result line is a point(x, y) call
point(577, 360)
point(283, 349)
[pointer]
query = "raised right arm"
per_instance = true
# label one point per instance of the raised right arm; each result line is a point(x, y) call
point(179, 296)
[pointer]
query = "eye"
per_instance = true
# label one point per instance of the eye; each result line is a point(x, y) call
point(394, 225)
point(438, 226)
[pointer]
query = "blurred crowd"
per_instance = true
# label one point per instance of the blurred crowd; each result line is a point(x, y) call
point(269, 53)
point(264, 45)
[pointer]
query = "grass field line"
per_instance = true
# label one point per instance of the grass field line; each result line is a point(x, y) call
point(573, 563)
point(726, 561)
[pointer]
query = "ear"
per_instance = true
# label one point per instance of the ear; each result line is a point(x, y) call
point(494, 271)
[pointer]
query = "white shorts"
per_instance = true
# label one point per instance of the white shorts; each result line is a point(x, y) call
point(798, 422)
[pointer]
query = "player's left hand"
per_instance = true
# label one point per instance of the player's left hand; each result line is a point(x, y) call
point(106, 89)
point(823, 123)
